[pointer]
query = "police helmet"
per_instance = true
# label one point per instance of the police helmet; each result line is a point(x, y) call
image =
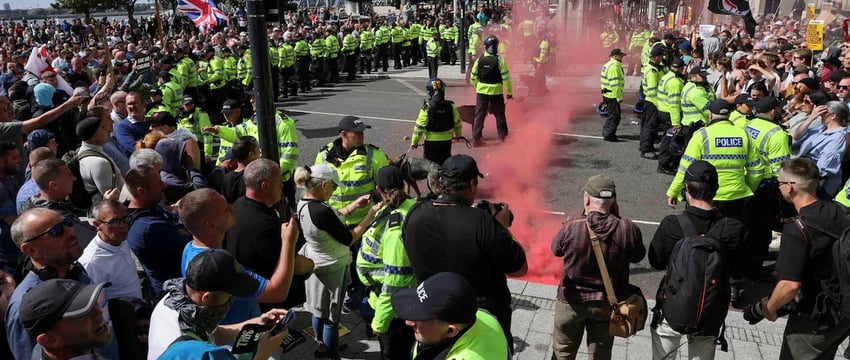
point(491, 44)
point(436, 89)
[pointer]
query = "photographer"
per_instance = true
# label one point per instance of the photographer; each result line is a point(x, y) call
point(448, 234)
point(807, 278)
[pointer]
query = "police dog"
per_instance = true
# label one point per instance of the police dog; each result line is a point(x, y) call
point(414, 169)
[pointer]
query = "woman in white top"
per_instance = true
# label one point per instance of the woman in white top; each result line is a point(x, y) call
point(327, 244)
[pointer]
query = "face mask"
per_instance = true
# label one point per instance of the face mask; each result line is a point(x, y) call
point(203, 320)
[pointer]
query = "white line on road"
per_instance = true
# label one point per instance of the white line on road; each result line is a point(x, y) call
point(579, 136)
point(561, 213)
point(360, 116)
point(411, 87)
point(384, 92)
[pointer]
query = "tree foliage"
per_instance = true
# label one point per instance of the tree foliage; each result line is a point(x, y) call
point(85, 7)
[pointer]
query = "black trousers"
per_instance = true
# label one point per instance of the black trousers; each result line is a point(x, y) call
point(648, 127)
point(609, 128)
point(415, 51)
point(762, 212)
point(489, 103)
point(397, 55)
point(333, 68)
point(406, 53)
point(382, 60)
point(349, 66)
point(365, 61)
point(302, 70)
point(735, 209)
point(437, 151)
point(397, 342)
point(433, 65)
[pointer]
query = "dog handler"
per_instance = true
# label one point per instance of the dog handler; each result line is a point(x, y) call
point(439, 121)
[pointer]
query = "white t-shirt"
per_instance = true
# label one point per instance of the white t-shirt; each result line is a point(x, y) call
point(108, 263)
point(164, 329)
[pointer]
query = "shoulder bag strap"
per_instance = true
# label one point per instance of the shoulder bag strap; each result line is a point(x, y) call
point(686, 225)
point(600, 260)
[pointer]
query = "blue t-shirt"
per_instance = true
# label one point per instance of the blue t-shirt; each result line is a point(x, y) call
point(242, 308)
point(157, 238)
point(28, 190)
point(195, 350)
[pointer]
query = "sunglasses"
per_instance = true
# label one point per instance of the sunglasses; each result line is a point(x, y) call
point(807, 102)
point(117, 221)
point(843, 87)
point(55, 230)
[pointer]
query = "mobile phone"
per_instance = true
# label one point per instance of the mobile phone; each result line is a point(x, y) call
point(282, 324)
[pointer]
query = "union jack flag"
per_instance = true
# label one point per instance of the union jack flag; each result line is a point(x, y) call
point(204, 13)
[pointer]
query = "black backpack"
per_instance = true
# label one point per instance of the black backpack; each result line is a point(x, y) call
point(836, 301)
point(80, 198)
point(694, 295)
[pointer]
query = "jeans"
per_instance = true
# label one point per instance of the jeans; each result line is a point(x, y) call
point(572, 320)
point(666, 343)
point(327, 333)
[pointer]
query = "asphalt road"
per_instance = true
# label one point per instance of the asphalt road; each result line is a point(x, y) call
point(553, 147)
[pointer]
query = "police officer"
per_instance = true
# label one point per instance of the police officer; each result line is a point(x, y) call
point(744, 105)
point(612, 82)
point(349, 53)
point(432, 54)
point(286, 58)
point(367, 46)
point(449, 34)
point(274, 62)
point(332, 54)
point(384, 267)
point(397, 39)
point(302, 64)
point(382, 39)
point(696, 94)
point(491, 79)
point(439, 121)
point(172, 93)
point(770, 144)
point(192, 118)
point(609, 37)
point(670, 115)
point(649, 86)
point(155, 105)
point(318, 54)
point(727, 148)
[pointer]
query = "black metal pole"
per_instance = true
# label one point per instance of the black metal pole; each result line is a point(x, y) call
point(464, 40)
point(261, 74)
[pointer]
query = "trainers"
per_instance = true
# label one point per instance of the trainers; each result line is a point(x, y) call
point(649, 155)
point(662, 170)
point(635, 122)
point(291, 340)
point(477, 143)
point(612, 138)
point(735, 294)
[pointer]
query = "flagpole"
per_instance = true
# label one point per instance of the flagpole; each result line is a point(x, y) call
point(159, 24)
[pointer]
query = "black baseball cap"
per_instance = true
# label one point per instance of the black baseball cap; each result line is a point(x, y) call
point(56, 299)
point(188, 99)
point(217, 270)
point(677, 63)
point(698, 71)
point(745, 99)
point(155, 91)
point(164, 74)
point(445, 296)
point(719, 108)
point(389, 177)
point(460, 167)
point(657, 51)
point(702, 171)
point(669, 36)
point(162, 118)
point(352, 123)
point(616, 51)
point(229, 105)
point(766, 104)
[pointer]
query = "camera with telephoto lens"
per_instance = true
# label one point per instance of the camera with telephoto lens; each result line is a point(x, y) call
point(497, 207)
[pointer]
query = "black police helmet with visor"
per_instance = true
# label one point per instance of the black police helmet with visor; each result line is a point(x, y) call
point(436, 90)
point(491, 45)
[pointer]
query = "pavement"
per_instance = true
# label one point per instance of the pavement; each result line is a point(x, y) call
point(554, 146)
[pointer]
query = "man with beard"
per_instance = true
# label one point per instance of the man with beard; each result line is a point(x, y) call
point(49, 241)
point(66, 319)
point(185, 323)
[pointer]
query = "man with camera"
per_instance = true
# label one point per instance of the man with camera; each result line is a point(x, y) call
point(808, 279)
point(449, 234)
point(582, 305)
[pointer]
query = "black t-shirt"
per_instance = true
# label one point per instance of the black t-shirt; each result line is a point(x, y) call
point(729, 233)
point(443, 235)
point(255, 238)
point(807, 259)
point(323, 217)
point(233, 186)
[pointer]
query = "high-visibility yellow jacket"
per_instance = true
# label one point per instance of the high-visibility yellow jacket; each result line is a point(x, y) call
point(771, 145)
point(357, 174)
point(670, 96)
point(694, 99)
point(491, 88)
point(727, 148)
point(612, 79)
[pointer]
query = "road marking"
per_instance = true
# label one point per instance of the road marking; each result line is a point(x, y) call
point(384, 92)
point(360, 116)
point(411, 87)
point(414, 121)
point(579, 136)
point(561, 213)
